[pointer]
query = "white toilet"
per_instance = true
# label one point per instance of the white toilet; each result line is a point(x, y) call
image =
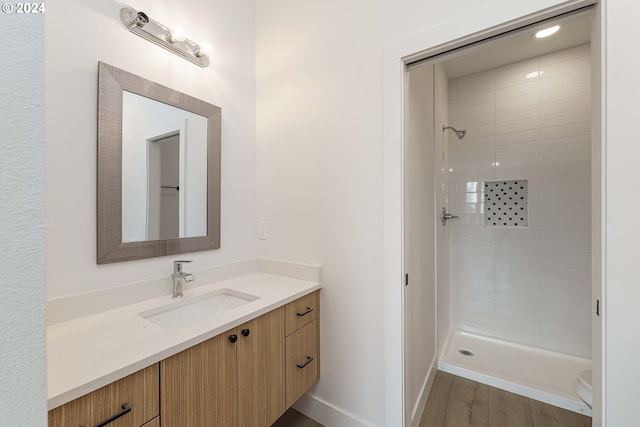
point(582, 387)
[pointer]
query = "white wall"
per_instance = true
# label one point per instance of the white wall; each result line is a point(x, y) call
point(320, 113)
point(319, 110)
point(622, 229)
point(322, 170)
point(530, 284)
point(71, 103)
point(22, 276)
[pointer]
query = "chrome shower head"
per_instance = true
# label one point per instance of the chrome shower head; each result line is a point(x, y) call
point(459, 133)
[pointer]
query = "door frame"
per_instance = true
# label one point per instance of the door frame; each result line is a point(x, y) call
point(396, 56)
point(153, 192)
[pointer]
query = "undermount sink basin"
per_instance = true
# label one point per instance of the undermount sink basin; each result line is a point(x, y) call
point(189, 310)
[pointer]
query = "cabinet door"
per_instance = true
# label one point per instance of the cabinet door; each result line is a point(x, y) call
point(153, 423)
point(138, 391)
point(302, 364)
point(261, 370)
point(198, 386)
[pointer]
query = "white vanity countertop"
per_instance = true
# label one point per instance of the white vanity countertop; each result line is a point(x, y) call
point(90, 352)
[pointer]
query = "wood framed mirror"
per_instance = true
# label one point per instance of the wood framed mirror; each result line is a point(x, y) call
point(158, 184)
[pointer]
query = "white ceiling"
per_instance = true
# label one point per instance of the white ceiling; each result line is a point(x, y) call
point(574, 30)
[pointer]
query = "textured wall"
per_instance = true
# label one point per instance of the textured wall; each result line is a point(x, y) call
point(22, 335)
point(525, 284)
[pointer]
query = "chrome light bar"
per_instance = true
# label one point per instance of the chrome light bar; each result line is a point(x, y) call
point(139, 23)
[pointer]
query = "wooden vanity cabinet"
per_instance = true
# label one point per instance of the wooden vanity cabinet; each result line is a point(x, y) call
point(234, 379)
point(302, 346)
point(261, 375)
point(153, 423)
point(245, 377)
point(302, 369)
point(198, 385)
point(138, 391)
point(302, 311)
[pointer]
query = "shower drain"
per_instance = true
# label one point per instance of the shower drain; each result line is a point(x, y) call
point(465, 352)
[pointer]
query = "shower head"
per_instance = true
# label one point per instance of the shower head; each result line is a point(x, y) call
point(459, 133)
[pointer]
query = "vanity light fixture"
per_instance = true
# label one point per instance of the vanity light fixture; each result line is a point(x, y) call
point(547, 32)
point(171, 39)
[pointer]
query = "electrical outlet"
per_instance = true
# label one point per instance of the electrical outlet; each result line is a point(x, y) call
point(262, 230)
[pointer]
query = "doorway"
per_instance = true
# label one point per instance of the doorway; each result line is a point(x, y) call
point(425, 260)
point(163, 189)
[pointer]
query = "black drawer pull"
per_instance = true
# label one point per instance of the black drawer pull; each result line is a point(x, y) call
point(125, 410)
point(309, 360)
point(245, 332)
point(307, 311)
point(233, 338)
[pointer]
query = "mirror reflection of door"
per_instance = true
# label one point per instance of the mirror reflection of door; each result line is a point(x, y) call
point(147, 122)
point(163, 190)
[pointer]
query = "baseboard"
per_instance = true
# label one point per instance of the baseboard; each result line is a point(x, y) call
point(421, 403)
point(328, 414)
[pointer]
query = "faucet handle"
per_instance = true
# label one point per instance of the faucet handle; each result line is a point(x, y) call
point(177, 265)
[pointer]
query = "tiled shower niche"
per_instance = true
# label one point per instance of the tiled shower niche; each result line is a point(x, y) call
point(506, 204)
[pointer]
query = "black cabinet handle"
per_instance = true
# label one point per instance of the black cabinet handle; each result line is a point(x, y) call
point(245, 332)
point(125, 410)
point(307, 311)
point(309, 360)
point(233, 338)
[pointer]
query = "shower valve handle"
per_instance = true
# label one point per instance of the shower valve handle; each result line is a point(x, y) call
point(446, 216)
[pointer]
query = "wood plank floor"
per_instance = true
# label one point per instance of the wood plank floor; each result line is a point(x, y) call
point(293, 418)
point(458, 402)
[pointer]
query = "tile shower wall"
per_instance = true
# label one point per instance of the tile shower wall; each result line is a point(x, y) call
point(531, 284)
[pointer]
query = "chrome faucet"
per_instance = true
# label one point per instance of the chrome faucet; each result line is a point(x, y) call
point(178, 277)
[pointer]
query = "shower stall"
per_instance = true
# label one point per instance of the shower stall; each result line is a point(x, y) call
point(512, 159)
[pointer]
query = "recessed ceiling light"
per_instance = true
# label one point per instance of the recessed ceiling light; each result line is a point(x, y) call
point(534, 74)
point(547, 32)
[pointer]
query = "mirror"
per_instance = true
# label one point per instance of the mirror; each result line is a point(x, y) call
point(164, 161)
point(158, 169)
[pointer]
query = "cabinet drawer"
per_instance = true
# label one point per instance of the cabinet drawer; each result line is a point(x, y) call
point(302, 364)
point(138, 391)
point(302, 311)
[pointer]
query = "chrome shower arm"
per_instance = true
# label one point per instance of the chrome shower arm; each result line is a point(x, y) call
point(459, 133)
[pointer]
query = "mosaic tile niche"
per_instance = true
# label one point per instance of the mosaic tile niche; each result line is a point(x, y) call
point(506, 204)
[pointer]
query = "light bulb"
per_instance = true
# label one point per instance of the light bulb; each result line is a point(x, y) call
point(534, 74)
point(176, 34)
point(547, 32)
